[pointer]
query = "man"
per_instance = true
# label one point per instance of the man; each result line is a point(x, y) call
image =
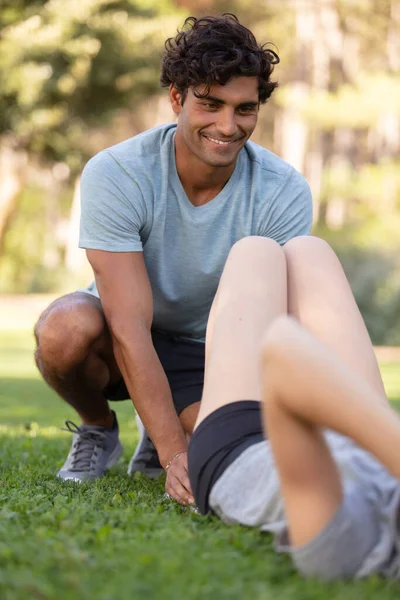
point(160, 213)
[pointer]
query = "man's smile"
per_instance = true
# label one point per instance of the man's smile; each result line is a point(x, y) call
point(221, 142)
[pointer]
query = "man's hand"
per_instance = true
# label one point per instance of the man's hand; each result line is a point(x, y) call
point(177, 484)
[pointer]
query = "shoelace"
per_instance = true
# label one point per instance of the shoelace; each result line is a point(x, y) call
point(84, 450)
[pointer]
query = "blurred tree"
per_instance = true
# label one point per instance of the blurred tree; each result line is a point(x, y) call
point(78, 76)
point(341, 105)
point(66, 67)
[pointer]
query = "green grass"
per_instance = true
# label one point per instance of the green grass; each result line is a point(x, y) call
point(118, 538)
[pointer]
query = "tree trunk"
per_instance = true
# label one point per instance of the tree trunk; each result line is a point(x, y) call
point(293, 127)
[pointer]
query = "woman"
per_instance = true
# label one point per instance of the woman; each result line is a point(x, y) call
point(307, 448)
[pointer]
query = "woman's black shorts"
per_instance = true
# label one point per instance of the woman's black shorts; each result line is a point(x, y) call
point(218, 441)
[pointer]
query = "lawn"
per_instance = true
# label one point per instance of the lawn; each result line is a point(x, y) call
point(118, 538)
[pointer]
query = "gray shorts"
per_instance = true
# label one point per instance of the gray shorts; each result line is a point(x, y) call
point(361, 538)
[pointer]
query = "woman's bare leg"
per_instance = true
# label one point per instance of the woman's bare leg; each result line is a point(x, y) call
point(320, 298)
point(307, 387)
point(251, 293)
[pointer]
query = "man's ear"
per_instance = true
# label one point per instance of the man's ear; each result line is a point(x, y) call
point(176, 99)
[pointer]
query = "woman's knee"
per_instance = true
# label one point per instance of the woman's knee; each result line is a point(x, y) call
point(313, 266)
point(255, 252)
point(309, 247)
point(66, 330)
point(254, 245)
point(255, 266)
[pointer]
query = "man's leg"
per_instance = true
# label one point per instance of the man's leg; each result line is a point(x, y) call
point(251, 294)
point(188, 417)
point(74, 355)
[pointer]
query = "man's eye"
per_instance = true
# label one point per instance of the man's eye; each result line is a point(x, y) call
point(247, 109)
point(210, 105)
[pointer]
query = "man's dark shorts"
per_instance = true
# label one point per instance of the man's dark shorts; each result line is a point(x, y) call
point(183, 363)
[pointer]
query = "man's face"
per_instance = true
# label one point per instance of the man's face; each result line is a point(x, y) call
point(215, 128)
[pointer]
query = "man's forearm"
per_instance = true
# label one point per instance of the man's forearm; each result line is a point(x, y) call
point(150, 392)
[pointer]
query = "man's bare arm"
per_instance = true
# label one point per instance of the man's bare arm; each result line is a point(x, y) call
point(126, 296)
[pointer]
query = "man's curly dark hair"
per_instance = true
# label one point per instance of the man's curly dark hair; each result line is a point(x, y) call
point(212, 50)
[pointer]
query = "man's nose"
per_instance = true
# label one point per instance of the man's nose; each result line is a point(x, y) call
point(226, 123)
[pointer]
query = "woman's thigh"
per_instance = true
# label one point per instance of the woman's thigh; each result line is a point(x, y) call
point(251, 294)
point(320, 298)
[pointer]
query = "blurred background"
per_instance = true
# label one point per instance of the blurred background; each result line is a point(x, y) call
point(77, 76)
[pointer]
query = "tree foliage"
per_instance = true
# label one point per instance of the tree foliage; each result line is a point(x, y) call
point(66, 67)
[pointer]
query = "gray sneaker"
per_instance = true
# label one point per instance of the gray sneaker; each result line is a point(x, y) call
point(145, 458)
point(94, 449)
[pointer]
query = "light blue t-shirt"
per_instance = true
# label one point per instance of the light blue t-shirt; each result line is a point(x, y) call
point(133, 201)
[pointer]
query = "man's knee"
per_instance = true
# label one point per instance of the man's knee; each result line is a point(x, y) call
point(66, 330)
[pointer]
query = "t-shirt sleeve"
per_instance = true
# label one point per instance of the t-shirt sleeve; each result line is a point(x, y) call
point(289, 214)
point(112, 207)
